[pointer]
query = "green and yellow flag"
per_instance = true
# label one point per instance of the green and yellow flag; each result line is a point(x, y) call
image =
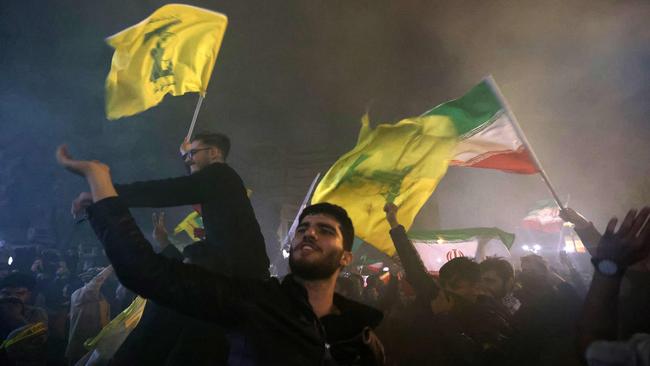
point(189, 224)
point(400, 163)
point(171, 51)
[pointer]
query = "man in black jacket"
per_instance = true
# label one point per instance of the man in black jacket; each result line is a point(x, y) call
point(235, 245)
point(460, 326)
point(231, 229)
point(299, 321)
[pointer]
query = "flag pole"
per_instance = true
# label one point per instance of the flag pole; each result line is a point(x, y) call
point(520, 133)
point(294, 224)
point(196, 114)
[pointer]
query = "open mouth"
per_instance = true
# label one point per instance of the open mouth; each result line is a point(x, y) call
point(308, 247)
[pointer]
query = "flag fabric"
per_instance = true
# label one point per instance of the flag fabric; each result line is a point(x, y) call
point(173, 51)
point(487, 137)
point(104, 345)
point(400, 163)
point(34, 332)
point(437, 247)
point(544, 216)
point(192, 225)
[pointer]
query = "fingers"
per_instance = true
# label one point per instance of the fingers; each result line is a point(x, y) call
point(62, 155)
point(628, 221)
point(390, 207)
point(566, 213)
point(639, 221)
point(611, 226)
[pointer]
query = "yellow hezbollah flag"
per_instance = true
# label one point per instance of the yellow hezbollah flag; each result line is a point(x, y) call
point(189, 223)
point(172, 51)
point(400, 163)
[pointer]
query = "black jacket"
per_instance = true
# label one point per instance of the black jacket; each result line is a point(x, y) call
point(230, 224)
point(276, 319)
point(166, 337)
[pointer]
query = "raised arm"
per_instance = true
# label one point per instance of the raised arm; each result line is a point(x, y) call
point(185, 190)
point(416, 273)
point(185, 288)
point(585, 229)
point(616, 252)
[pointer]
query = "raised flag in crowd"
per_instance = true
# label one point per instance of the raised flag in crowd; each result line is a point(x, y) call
point(487, 136)
point(173, 51)
point(437, 247)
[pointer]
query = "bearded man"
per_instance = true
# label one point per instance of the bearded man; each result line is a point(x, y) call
point(299, 321)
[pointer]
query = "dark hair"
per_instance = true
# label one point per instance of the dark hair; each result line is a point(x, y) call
point(502, 267)
point(218, 140)
point(19, 279)
point(339, 214)
point(459, 269)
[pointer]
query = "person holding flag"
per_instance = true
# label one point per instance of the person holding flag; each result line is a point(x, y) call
point(299, 321)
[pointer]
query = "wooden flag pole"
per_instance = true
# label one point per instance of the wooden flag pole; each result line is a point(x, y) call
point(196, 114)
point(520, 133)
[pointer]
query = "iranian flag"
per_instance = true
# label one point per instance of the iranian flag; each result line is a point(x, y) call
point(544, 216)
point(440, 246)
point(487, 136)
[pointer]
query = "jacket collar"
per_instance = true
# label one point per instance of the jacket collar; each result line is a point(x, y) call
point(355, 311)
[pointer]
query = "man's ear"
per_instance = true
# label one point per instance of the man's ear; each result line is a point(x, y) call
point(346, 258)
point(216, 155)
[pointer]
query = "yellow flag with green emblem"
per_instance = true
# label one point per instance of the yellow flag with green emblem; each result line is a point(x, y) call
point(189, 225)
point(400, 163)
point(173, 51)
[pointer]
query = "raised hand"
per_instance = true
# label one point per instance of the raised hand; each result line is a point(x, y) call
point(630, 243)
point(391, 214)
point(160, 233)
point(186, 145)
point(79, 167)
point(97, 174)
point(570, 215)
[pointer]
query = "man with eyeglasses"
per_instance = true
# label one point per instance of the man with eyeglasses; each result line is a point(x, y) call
point(234, 240)
point(231, 228)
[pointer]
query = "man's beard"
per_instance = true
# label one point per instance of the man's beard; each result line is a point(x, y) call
point(320, 270)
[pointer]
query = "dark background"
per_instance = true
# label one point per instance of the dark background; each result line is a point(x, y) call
point(292, 81)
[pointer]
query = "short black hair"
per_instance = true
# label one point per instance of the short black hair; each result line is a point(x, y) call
point(218, 140)
point(339, 214)
point(459, 269)
point(502, 267)
point(19, 279)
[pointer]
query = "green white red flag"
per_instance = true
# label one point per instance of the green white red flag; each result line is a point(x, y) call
point(437, 247)
point(544, 216)
point(487, 137)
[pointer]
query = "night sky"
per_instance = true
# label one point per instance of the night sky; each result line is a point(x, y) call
point(293, 79)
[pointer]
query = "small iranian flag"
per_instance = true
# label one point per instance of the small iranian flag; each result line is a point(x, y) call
point(438, 247)
point(487, 136)
point(545, 217)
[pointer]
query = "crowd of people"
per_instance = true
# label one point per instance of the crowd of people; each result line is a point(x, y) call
point(214, 303)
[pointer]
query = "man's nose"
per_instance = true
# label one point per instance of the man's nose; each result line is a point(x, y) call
point(310, 232)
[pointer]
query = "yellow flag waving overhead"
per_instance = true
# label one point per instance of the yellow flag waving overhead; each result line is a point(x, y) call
point(400, 163)
point(172, 51)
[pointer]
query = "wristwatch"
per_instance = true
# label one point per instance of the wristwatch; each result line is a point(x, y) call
point(607, 267)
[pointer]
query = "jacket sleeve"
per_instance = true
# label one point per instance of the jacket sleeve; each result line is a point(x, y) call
point(416, 273)
point(185, 190)
point(185, 288)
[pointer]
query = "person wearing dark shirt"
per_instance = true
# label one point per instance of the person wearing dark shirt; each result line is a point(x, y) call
point(299, 321)
point(462, 327)
point(231, 227)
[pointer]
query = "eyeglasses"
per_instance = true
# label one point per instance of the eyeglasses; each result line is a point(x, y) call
point(190, 154)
